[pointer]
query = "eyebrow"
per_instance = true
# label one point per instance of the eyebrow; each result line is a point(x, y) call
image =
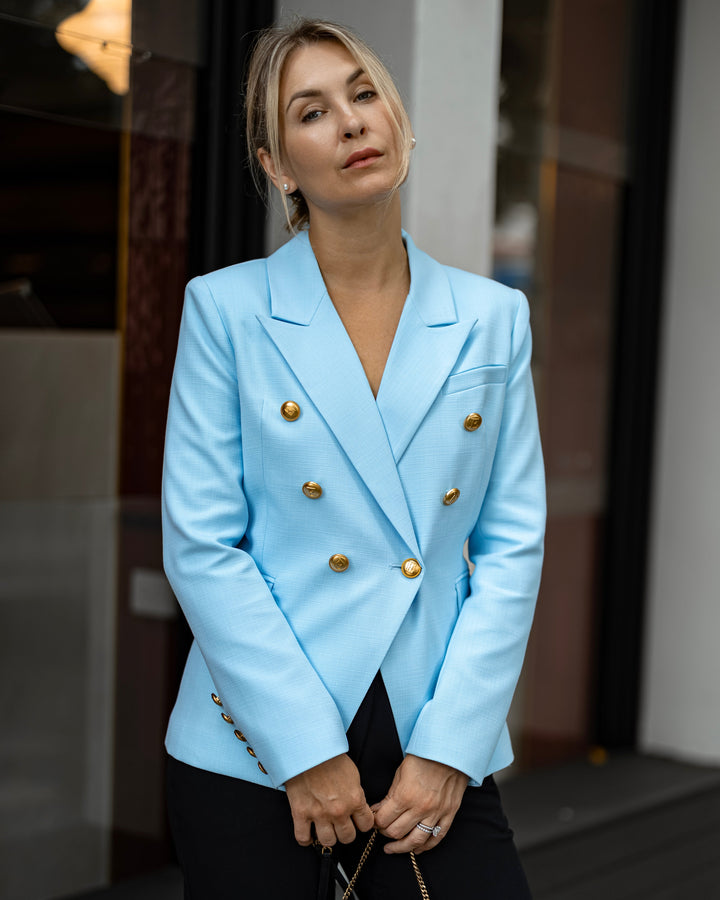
point(314, 92)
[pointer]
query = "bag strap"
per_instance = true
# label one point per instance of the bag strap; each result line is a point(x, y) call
point(327, 851)
point(361, 863)
point(418, 875)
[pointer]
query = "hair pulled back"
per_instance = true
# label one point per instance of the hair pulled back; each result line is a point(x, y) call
point(270, 53)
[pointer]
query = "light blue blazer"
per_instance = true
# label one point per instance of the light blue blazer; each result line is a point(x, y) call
point(285, 646)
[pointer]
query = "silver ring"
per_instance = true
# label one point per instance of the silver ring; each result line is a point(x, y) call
point(434, 830)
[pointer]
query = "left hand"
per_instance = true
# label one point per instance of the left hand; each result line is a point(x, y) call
point(422, 791)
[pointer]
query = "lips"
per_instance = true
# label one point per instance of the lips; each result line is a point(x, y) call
point(361, 157)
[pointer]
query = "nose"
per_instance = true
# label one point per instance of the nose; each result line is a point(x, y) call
point(353, 124)
point(355, 132)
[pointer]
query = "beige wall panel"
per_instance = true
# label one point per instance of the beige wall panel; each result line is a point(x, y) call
point(58, 414)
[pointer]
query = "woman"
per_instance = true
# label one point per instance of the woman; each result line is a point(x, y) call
point(343, 416)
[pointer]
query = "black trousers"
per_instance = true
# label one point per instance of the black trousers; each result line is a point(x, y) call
point(234, 839)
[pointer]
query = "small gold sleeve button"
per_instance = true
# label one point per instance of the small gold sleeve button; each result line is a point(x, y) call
point(240, 736)
point(216, 699)
point(473, 422)
point(411, 568)
point(227, 718)
point(251, 751)
point(338, 562)
point(262, 768)
point(290, 411)
point(451, 496)
point(312, 489)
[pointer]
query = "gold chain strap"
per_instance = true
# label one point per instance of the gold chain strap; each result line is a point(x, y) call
point(418, 875)
point(361, 863)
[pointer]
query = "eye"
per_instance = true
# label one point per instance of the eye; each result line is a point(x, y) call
point(366, 94)
point(311, 115)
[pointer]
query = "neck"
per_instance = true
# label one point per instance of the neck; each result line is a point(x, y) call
point(363, 248)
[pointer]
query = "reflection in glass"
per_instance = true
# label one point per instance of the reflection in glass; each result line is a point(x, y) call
point(560, 182)
point(100, 36)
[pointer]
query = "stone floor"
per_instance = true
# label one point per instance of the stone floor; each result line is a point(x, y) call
point(636, 828)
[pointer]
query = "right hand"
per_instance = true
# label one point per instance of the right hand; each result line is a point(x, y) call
point(330, 797)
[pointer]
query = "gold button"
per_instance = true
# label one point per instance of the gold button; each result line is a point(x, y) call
point(262, 768)
point(250, 751)
point(338, 562)
point(290, 410)
point(240, 736)
point(411, 568)
point(216, 699)
point(473, 422)
point(227, 718)
point(451, 496)
point(312, 489)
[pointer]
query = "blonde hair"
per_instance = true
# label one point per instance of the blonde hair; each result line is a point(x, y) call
point(262, 99)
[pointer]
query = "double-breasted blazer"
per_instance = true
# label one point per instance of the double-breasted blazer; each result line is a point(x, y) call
point(314, 534)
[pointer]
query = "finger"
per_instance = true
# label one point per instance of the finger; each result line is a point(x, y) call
point(404, 824)
point(303, 832)
point(345, 831)
point(434, 840)
point(418, 840)
point(364, 819)
point(415, 840)
point(326, 834)
point(387, 812)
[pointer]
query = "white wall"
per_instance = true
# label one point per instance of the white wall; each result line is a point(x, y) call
point(445, 58)
point(388, 27)
point(454, 110)
point(681, 703)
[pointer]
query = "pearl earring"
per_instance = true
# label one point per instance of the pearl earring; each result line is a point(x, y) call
point(412, 143)
point(286, 187)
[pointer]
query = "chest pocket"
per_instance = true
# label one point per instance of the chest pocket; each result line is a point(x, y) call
point(477, 377)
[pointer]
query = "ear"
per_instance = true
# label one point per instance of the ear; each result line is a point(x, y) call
point(283, 182)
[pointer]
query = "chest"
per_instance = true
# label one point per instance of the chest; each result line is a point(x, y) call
point(371, 326)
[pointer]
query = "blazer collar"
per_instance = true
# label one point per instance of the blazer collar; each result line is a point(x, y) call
point(297, 287)
point(323, 359)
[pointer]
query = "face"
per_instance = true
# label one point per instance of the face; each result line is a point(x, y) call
point(339, 144)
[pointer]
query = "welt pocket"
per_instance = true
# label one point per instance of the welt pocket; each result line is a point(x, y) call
point(462, 589)
point(470, 378)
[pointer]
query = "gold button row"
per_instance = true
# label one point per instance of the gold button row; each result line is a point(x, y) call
point(410, 568)
point(238, 734)
point(313, 490)
point(290, 411)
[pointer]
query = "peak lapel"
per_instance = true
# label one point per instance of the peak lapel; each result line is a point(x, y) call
point(427, 344)
point(307, 330)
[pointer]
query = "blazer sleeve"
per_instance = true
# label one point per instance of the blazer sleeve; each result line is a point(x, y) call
point(259, 669)
point(486, 650)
